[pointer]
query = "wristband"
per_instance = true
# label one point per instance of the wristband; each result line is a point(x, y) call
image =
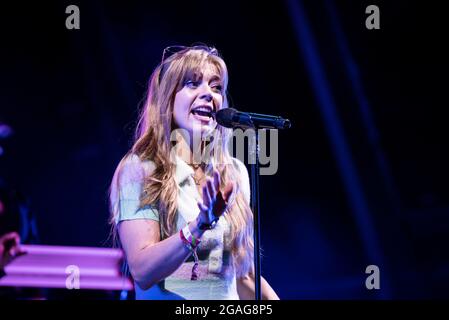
point(188, 238)
point(191, 243)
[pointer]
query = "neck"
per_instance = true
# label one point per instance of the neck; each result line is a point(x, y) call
point(189, 152)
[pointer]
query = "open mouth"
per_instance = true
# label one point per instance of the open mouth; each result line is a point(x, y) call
point(203, 113)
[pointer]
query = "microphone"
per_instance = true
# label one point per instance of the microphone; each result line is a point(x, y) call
point(231, 118)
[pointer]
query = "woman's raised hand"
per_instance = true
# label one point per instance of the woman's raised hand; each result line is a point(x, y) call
point(215, 202)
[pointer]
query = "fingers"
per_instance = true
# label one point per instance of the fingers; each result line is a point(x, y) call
point(211, 189)
point(10, 243)
point(20, 252)
point(216, 180)
point(206, 196)
point(16, 251)
point(10, 237)
point(202, 207)
point(213, 198)
point(12, 251)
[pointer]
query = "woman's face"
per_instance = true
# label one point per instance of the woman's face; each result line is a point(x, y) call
point(201, 94)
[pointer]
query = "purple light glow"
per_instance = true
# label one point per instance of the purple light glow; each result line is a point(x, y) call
point(46, 267)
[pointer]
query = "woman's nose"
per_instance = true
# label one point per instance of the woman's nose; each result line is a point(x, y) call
point(206, 94)
point(207, 97)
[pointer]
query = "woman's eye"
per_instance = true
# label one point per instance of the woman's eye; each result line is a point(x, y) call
point(191, 84)
point(217, 88)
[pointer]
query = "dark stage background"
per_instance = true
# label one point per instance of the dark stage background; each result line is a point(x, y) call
point(362, 177)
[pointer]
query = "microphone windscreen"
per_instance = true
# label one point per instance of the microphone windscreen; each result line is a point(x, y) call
point(224, 117)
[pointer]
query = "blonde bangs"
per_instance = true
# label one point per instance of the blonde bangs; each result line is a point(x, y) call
point(188, 66)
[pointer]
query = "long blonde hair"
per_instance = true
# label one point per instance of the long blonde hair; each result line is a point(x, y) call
point(152, 143)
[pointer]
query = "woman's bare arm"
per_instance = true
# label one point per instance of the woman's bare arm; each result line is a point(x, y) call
point(247, 291)
point(149, 259)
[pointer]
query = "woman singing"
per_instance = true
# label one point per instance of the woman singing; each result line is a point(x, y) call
point(180, 205)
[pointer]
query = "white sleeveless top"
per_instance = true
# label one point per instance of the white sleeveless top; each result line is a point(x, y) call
point(217, 276)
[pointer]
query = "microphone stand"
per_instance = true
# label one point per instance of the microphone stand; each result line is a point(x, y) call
point(253, 152)
point(255, 209)
point(245, 121)
point(231, 118)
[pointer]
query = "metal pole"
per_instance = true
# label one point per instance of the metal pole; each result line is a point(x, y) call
point(256, 215)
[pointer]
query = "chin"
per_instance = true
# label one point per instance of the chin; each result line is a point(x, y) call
point(202, 129)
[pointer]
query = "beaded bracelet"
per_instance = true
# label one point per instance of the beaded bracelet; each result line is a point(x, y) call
point(191, 243)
